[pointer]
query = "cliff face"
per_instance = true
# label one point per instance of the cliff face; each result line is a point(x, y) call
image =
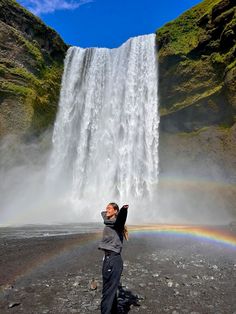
point(197, 67)
point(197, 150)
point(31, 65)
point(198, 90)
point(196, 63)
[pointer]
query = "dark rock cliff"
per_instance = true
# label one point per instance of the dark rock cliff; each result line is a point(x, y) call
point(197, 67)
point(197, 92)
point(198, 84)
point(197, 88)
point(31, 65)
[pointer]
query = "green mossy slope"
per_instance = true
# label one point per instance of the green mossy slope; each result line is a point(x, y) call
point(31, 66)
point(197, 67)
point(197, 89)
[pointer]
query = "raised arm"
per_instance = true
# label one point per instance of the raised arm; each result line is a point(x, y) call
point(121, 218)
point(108, 222)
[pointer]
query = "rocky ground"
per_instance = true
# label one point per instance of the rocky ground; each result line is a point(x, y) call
point(162, 274)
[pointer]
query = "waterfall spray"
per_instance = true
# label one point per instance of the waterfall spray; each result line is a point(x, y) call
point(105, 140)
point(105, 148)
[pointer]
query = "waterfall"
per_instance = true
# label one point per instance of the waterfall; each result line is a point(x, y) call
point(105, 139)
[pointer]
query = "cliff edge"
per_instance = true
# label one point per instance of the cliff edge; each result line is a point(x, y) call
point(31, 66)
point(198, 90)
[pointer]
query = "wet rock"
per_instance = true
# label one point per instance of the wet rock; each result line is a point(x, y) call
point(75, 284)
point(70, 275)
point(93, 308)
point(142, 285)
point(8, 287)
point(170, 283)
point(140, 297)
point(63, 300)
point(155, 275)
point(93, 284)
point(145, 271)
point(215, 267)
point(193, 293)
point(13, 304)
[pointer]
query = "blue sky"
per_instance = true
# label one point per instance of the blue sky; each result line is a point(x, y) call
point(105, 23)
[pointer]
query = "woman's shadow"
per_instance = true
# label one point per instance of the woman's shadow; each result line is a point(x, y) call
point(126, 299)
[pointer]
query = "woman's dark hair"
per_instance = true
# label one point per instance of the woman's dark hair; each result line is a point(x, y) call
point(125, 231)
point(115, 206)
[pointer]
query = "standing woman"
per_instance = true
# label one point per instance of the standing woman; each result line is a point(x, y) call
point(112, 242)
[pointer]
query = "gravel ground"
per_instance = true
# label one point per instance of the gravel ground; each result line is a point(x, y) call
point(162, 274)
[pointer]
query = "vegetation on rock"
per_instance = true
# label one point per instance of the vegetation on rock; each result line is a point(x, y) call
point(197, 56)
point(31, 66)
point(197, 89)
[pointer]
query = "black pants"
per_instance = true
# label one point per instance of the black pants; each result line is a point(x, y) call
point(111, 273)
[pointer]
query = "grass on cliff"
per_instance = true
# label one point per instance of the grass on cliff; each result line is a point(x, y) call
point(27, 80)
point(182, 35)
point(39, 94)
point(46, 97)
point(15, 5)
point(197, 76)
point(191, 100)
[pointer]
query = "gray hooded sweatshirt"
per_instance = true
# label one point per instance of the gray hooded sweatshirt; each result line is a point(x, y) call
point(112, 239)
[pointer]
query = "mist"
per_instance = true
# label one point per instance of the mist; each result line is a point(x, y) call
point(106, 146)
point(27, 198)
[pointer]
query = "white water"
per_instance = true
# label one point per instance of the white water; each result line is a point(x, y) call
point(105, 148)
point(105, 140)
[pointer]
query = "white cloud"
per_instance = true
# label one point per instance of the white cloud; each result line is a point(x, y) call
point(39, 7)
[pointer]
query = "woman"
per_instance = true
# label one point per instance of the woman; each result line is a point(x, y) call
point(111, 244)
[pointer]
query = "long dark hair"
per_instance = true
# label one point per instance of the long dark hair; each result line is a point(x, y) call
point(125, 231)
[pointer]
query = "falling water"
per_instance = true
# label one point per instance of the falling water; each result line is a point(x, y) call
point(105, 140)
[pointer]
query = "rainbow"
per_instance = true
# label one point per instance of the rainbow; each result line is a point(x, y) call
point(210, 234)
point(216, 190)
point(206, 234)
point(190, 182)
point(171, 183)
point(77, 240)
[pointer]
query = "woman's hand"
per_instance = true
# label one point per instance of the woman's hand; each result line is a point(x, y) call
point(126, 206)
